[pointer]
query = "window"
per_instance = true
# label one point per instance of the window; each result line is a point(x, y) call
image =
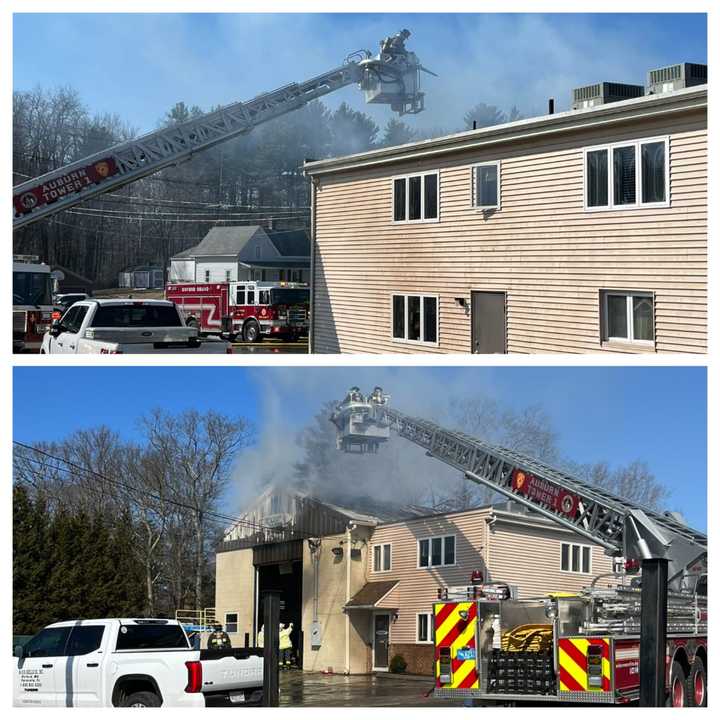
point(425, 628)
point(49, 642)
point(231, 622)
point(575, 558)
point(628, 316)
point(207, 276)
point(416, 198)
point(486, 186)
point(627, 175)
point(73, 318)
point(85, 639)
point(382, 557)
point(227, 276)
point(415, 318)
point(251, 296)
point(436, 551)
point(257, 251)
point(137, 315)
point(151, 637)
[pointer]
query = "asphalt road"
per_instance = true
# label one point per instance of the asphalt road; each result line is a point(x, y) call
point(267, 347)
point(318, 690)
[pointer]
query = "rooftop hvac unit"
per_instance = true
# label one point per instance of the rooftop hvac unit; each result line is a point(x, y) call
point(602, 93)
point(675, 77)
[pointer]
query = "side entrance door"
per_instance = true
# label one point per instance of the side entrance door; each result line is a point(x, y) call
point(381, 641)
point(488, 322)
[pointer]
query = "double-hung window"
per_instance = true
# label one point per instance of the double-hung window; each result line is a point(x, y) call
point(231, 622)
point(575, 558)
point(415, 318)
point(486, 186)
point(436, 551)
point(628, 316)
point(382, 557)
point(416, 198)
point(425, 630)
point(626, 175)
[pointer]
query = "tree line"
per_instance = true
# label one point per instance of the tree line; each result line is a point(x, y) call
point(254, 179)
point(106, 527)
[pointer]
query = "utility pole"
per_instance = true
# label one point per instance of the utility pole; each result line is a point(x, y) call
point(271, 648)
point(653, 632)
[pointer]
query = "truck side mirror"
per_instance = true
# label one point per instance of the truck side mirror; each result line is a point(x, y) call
point(56, 328)
point(19, 651)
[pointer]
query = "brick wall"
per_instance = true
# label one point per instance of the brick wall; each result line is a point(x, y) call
point(419, 658)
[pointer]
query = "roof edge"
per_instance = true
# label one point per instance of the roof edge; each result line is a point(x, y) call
point(679, 100)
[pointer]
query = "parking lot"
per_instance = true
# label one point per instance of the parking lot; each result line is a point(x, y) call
point(319, 690)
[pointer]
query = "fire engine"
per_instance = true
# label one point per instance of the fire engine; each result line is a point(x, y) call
point(584, 647)
point(392, 77)
point(32, 303)
point(250, 310)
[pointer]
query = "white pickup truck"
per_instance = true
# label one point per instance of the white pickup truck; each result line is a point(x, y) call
point(126, 326)
point(131, 663)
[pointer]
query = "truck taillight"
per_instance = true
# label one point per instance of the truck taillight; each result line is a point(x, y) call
point(229, 350)
point(194, 683)
point(632, 566)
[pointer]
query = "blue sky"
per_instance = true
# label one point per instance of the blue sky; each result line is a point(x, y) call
point(617, 414)
point(140, 65)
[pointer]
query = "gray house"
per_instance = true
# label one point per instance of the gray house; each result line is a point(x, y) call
point(247, 252)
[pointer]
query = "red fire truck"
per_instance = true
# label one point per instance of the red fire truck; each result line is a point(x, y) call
point(249, 310)
point(32, 304)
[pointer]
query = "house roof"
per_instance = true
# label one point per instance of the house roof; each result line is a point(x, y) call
point(370, 594)
point(290, 242)
point(222, 241)
point(519, 130)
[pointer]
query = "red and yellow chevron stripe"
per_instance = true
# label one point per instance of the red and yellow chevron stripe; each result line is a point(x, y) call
point(457, 633)
point(573, 664)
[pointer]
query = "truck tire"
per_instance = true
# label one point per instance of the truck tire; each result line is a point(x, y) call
point(677, 696)
point(141, 699)
point(251, 332)
point(696, 684)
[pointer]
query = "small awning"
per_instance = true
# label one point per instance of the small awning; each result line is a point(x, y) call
point(370, 596)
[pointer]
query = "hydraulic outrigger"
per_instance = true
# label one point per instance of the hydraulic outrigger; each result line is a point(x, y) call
point(636, 619)
point(392, 78)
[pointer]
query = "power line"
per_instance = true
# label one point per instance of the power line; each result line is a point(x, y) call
point(144, 491)
point(128, 487)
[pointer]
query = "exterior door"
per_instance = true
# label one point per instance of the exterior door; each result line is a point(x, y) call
point(40, 674)
point(488, 322)
point(381, 641)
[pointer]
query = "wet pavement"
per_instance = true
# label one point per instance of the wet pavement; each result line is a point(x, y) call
point(317, 690)
point(268, 347)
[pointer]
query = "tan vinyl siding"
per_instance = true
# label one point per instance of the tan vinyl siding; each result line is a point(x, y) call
point(530, 558)
point(542, 247)
point(526, 554)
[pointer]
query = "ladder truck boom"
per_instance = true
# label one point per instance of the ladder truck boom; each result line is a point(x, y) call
point(392, 77)
point(623, 527)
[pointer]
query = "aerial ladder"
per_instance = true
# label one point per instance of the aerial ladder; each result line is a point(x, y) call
point(392, 77)
point(607, 644)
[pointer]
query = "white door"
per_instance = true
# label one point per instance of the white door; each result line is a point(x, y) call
point(381, 641)
point(39, 675)
point(84, 651)
point(66, 341)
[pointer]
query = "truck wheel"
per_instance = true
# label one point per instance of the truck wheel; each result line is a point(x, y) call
point(141, 699)
point(251, 332)
point(678, 690)
point(696, 685)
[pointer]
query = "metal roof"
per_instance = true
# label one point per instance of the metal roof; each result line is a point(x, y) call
point(370, 594)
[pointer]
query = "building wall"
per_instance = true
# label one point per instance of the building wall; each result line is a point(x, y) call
point(181, 270)
point(541, 247)
point(235, 591)
point(217, 269)
point(512, 552)
point(333, 595)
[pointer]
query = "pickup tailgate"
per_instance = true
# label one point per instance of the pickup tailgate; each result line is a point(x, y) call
point(156, 339)
point(235, 669)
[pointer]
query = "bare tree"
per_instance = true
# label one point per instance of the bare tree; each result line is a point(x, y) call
point(198, 450)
